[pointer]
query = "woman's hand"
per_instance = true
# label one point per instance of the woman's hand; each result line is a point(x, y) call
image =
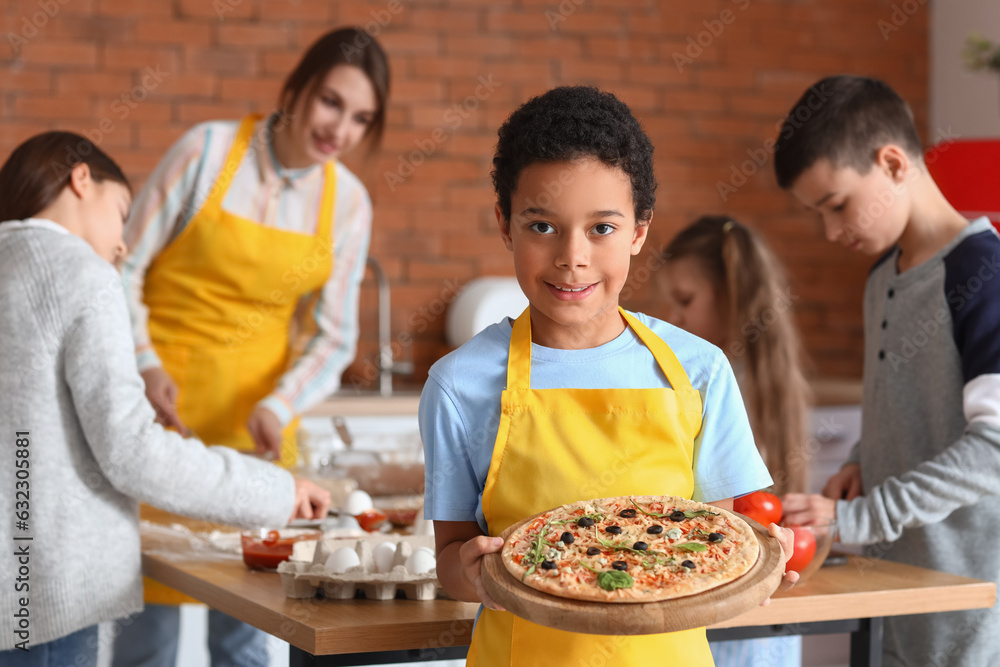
point(311, 502)
point(161, 391)
point(846, 484)
point(786, 538)
point(265, 429)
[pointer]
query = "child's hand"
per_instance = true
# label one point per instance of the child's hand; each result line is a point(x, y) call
point(786, 538)
point(803, 509)
point(846, 484)
point(311, 502)
point(470, 555)
point(161, 391)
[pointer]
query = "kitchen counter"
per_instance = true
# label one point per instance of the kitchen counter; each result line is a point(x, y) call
point(826, 392)
point(850, 597)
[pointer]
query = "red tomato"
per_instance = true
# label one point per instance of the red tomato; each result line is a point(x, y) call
point(371, 520)
point(805, 549)
point(761, 506)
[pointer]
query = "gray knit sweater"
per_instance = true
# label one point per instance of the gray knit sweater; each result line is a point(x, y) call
point(68, 379)
point(930, 439)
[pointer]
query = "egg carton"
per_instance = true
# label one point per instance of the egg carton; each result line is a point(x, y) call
point(305, 578)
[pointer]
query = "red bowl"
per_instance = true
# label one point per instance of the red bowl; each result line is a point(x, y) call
point(265, 548)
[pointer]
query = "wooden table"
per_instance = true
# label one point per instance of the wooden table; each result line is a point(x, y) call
point(846, 598)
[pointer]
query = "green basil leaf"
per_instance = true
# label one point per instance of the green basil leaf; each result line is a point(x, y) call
point(692, 546)
point(614, 579)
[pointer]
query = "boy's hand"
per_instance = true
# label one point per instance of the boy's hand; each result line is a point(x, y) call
point(802, 509)
point(311, 501)
point(846, 484)
point(470, 556)
point(161, 392)
point(786, 538)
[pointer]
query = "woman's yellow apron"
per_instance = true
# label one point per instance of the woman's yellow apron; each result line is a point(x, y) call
point(556, 446)
point(221, 300)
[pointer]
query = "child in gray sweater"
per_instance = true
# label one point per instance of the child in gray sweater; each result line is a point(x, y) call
point(922, 482)
point(78, 438)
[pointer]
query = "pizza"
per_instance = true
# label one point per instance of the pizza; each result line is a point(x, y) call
point(631, 549)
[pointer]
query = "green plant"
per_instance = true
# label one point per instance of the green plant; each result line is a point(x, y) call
point(981, 54)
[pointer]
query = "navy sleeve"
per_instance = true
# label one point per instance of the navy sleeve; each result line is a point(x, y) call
point(972, 288)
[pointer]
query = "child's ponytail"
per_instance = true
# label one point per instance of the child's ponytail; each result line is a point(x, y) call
point(38, 170)
point(762, 340)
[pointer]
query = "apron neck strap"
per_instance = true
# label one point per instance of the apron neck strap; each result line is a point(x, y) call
point(232, 164)
point(324, 226)
point(519, 356)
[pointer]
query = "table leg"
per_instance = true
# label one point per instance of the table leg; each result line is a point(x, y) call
point(299, 658)
point(866, 643)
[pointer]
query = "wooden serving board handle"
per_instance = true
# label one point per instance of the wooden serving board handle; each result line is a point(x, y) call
point(637, 618)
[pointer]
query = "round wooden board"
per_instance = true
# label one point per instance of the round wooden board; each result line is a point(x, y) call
point(637, 618)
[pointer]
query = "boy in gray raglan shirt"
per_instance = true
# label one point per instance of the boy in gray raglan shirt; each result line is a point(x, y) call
point(922, 480)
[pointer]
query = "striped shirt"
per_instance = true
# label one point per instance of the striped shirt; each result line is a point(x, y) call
point(287, 199)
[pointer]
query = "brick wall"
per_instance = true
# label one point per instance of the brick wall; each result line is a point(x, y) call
point(708, 79)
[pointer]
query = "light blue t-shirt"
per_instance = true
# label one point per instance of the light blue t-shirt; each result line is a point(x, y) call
point(460, 411)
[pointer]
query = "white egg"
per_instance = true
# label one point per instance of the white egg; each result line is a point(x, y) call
point(357, 502)
point(342, 560)
point(383, 553)
point(421, 560)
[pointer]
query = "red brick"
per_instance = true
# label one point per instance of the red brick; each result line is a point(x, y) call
point(220, 60)
point(159, 137)
point(125, 107)
point(91, 28)
point(590, 22)
point(63, 54)
point(25, 82)
point(441, 66)
point(454, 19)
point(138, 58)
point(412, 90)
point(93, 82)
point(260, 91)
point(111, 135)
point(133, 8)
point(318, 11)
point(218, 10)
point(591, 70)
point(438, 270)
point(478, 45)
point(280, 62)
point(174, 32)
point(511, 22)
point(187, 85)
point(13, 133)
point(410, 42)
point(253, 36)
point(624, 47)
point(45, 106)
point(548, 46)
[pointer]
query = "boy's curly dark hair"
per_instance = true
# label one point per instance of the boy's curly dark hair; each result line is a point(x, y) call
point(570, 123)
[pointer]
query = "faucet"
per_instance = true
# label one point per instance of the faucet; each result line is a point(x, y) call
point(386, 365)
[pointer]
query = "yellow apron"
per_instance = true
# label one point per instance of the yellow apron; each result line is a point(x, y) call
point(221, 300)
point(557, 446)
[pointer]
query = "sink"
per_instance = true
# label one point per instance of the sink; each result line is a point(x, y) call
point(384, 455)
point(348, 403)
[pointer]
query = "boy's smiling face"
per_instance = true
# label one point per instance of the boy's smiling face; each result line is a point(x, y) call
point(867, 213)
point(573, 233)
